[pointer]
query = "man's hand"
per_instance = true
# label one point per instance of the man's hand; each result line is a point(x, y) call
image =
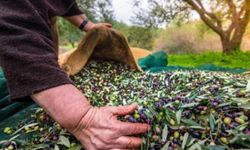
point(77, 20)
point(100, 130)
point(95, 128)
point(91, 25)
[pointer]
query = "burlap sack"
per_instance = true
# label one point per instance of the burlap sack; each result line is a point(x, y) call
point(101, 44)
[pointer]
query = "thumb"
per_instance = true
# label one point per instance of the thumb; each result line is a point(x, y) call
point(124, 110)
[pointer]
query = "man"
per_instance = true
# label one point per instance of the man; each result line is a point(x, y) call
point(29, 60)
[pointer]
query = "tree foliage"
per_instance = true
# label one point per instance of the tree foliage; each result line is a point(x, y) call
point(159, 12)
point(141, 37)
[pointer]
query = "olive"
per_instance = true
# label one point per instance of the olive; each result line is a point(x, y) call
point(196, 135)
point(172, 122)
point(131, 119)
point(227, 120)
point(155, 138)
point(203, 112)
point(36, 128)
point(10, 147)
point(229, 115)
point(224, 140)
point(176, 134)
point(171, 138)
point(7, 130)
point(136, 116)
point(181, 138)
point(214, 104)
point(145, 103)
point(243, 117)
point(158, 130)
point(239, 120)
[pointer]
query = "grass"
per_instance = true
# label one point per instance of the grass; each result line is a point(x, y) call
point(238, 60)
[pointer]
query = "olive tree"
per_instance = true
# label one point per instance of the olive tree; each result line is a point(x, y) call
point(227, 18)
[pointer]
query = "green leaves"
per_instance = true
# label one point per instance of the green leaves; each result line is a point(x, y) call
point(212, 122)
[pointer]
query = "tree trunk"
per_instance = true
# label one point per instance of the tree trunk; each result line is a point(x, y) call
point(230, 46)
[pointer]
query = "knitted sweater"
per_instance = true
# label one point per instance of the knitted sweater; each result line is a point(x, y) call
point(27, 51)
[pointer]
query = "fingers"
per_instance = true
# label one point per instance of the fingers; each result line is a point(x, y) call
point(129, 142)
point(107, 25)
point(125, 149)
point(127, 128)
point(124, 110)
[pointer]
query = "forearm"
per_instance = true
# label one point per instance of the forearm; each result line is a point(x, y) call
point(78, 19)
point(66, 104)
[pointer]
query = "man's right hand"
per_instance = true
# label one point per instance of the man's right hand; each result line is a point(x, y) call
point(99, 129)
point(95, 128)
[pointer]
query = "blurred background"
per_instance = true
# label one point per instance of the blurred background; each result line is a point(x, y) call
point(192, 32)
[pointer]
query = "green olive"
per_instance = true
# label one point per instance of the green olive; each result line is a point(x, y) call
point(243, 117)
point(10, 147)
point(171, 138)
point(176, 134)
point(172, 122)
point(136, 116)
point(224, 140)
point(181, 138)
point(239, 120)
point(227, 120)
point(36, 128)
point(7, 130)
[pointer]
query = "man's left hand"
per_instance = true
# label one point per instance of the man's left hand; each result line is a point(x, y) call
point(91, 25)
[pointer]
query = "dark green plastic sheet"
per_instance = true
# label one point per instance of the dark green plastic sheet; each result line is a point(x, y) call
point(158, 62)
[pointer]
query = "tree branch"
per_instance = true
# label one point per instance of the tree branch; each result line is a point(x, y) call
point(203, 14)
point(243, 22)
point(232, 8)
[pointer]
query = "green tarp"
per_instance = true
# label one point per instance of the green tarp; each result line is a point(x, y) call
point(12, 113)
point(158, 62)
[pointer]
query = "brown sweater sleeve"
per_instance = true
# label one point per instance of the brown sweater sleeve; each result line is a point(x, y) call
point(27, 52)
point(73, 11)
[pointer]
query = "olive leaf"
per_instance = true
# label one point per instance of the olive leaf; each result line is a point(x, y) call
point(216, 147)
point(64, 141)
point(165, 147)
point(178, 116)
point(165, 133)
point(212, 122)
point(190, 122)
point(56, 147)
point(185, 139)
point(190, 105)
point(195, 146)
